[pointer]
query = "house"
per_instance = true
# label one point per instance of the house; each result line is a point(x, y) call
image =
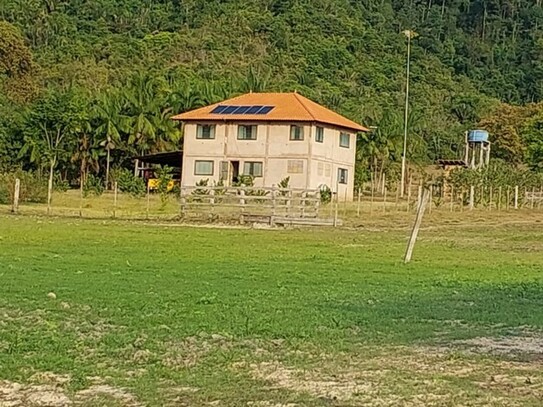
point(270, 136)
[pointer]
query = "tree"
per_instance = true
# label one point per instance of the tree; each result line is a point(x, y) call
point(532, 134)
point(110, 125)
point(16, 63)
point(51, 128)
point(505, 125)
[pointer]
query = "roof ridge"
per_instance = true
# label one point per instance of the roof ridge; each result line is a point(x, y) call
point(304, 106)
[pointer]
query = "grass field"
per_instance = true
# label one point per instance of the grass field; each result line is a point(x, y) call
point(105, 313)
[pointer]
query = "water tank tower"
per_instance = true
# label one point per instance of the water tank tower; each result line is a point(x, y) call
point(477, 149)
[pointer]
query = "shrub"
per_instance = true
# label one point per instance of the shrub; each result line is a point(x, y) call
point(59, 184)
point(325, 194)
point(33, 187)
point(94, 185)
point(128, 183)
point(165, 177)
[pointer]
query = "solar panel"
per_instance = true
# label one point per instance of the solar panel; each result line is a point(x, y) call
point(229, 109)
point(254, 109)
point(241, 110)
point(219, 109)
point(224, 109)
point(265, 110)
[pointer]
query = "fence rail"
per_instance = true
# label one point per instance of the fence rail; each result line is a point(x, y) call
point(211, 203)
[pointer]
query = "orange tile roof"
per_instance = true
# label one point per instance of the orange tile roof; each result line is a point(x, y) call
point(287, 107)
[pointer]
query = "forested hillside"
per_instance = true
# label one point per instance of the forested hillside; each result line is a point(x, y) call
point(107, 74)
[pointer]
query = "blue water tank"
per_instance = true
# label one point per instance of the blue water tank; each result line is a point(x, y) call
point(478, 136)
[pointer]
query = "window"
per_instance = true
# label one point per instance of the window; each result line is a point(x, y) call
point(253, 168)
point(295, 166)
point(203, 167)
point(205, 131)
point(320, 169)
point(296, 133)
point(319, 135)
point(344, 140)
point(342, 175)
point(246, 132)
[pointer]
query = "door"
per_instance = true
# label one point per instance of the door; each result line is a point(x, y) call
point(235, 171)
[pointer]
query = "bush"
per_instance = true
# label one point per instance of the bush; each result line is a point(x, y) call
point(33, 187)
point(59, 184)
point(128, 183)
point(94, 185)
point(325, 194)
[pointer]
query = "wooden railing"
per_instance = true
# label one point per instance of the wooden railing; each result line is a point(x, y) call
point(273, 201)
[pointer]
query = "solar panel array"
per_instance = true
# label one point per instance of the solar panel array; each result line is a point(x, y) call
point(225, 109)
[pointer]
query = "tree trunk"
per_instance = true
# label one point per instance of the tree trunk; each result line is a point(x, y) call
point(107, 169)
point(50, 185)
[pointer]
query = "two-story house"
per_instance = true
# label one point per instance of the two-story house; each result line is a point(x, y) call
point(270, 136)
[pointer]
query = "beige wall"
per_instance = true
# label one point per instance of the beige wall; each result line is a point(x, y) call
point(320, 161)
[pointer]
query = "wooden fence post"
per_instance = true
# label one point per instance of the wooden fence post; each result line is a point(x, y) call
point(452, 198)
point(302, 204)
point(358, 205)
point(274, 202)
point(115, 200)
point(471, 197)
point(16, 192)
point(317, 203)
point(148, 206)
point(336, 208)
point(430, 198)
point(416, 226)
point(516, 196)
point(183, 201)
point(345, 204)
point(384, 199)
point(408, 194)
point(491, 198)
point(397, 196)
point(372, 198)
point(508, 198)
point(212, 202)
point(242, 205)
point(500, 198)
point(533, 199)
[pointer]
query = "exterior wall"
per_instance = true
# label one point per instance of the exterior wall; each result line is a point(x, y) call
point(320, 161)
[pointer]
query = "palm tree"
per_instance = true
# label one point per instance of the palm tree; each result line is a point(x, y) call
point(111, 123)
point(185, 97)
point(87, 154)
point(143, 102)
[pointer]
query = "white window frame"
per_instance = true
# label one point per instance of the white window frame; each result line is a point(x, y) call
point(251, 164)
point(319, 138)
point(300, 129)
point(293, 169)
point(342, 179)
point(196, 162)
point(254, 132)
point(341, 137)
point(200, 131)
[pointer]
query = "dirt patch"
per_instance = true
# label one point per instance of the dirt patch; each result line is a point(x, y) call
point(53, 395)
point(511, 345)
point(406, 376)
point(16, 395)
point(190, 351)
point(103, 391)
point(340, 387)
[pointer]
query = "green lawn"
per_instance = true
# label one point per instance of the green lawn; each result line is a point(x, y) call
point(167, 315)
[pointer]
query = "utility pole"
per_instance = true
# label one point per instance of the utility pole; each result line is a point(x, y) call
point(409, 34)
